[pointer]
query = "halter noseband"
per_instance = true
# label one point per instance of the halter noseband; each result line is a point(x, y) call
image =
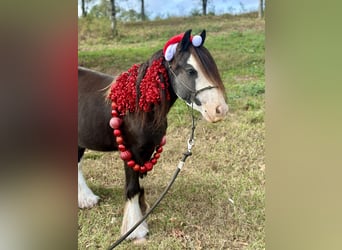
point(194, 93)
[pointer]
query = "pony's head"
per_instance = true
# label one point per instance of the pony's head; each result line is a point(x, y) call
point(194, 75)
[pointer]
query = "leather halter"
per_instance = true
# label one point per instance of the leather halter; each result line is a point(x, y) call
point(194, 93)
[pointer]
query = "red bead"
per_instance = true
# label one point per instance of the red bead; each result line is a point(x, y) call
point(154, 161)
point(131, 163)
point(115, 122)
point(117, 132)
point(143, 169)
point(159, 149)
point(136, 167)
point(148, 166)
point(115, 113)
point(121, 147)
point(114, 106)
point(126, 155)
point(156, 156)
point(163, 141)
point(119, 140)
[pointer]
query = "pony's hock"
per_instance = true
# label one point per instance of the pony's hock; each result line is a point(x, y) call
point(130, 114)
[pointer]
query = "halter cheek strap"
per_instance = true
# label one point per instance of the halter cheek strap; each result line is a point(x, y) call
point(196, 100)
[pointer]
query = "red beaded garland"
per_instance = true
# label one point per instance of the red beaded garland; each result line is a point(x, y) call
point(143, 169)
point(115, 112)
point(148, 166)
point(163, 141)
point(117, 132)
point(115, 122)
point(119, 140)
point(131, 163)
point(159, 150)
point(121, 147)
point(126, 154)
point(123, 95)
point(136, 167)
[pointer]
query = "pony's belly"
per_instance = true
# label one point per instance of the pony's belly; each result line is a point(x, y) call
point(96, 137)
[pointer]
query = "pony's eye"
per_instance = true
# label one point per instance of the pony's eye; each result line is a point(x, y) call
point(191, 72)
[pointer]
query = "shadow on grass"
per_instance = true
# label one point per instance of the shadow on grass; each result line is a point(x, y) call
point(110, 195)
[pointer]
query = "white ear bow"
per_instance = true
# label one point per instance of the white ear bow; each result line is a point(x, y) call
point(170, 51)
point(197, 40)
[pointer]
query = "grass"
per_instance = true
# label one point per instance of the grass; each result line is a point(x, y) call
point(218, 200)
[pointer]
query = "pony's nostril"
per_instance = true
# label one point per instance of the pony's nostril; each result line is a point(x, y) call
point(221, 110)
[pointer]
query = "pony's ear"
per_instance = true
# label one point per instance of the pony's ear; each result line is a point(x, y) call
point(185, 41)
point(203, 34)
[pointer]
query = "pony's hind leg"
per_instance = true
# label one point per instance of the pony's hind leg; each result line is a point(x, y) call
point(86, 197)
point(135, 206)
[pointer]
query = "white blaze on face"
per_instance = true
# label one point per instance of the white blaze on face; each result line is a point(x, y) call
point(214, 107)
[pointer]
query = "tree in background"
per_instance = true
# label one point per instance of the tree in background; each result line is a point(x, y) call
point(132, 15)
point(197, 12)
point(84, 11)
point(84, 8)
point(204, 7)
point(261, 9)
point(242, 8)
point(143, 16)
point(106, 9)
point(113, 18)
point(100, 10)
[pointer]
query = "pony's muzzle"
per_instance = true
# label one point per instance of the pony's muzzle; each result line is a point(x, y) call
point(215, 113)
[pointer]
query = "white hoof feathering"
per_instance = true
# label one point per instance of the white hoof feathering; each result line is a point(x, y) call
point(86, 197)
point(132, 214)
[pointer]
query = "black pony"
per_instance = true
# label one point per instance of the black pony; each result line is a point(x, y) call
point(133, 119)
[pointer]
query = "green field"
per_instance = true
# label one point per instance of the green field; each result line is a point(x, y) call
point(218, 200)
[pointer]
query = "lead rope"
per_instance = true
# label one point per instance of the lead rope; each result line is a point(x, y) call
point(180, 165)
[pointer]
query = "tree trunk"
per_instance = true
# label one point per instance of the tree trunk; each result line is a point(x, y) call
point(204, 7)
point(261, 9)
point(84, 12)
point(113, 18)
point(143, 17)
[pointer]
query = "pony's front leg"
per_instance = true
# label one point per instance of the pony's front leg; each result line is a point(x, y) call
point(86, 197)
point(135, 206)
